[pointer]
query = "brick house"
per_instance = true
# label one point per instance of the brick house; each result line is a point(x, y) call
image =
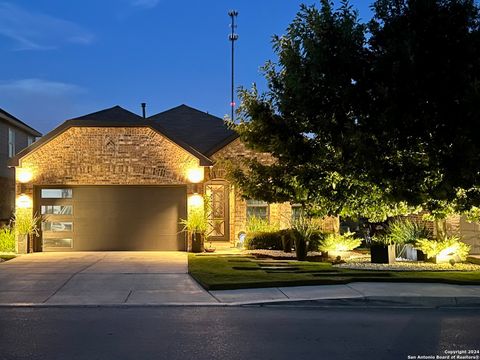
point(113, 180)
point(15, 135)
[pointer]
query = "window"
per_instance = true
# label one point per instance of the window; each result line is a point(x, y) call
point(56, 193)
point(30, 140)
point(57, 243)
point(57, 209)
point(296, 212)
point(11, 142)
point(258, 209)
point(57, 226)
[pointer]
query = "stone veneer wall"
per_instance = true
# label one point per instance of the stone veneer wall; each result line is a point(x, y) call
point(107, 156)
point(278, 213)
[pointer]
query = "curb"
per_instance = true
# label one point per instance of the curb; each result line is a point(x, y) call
point(365, 302)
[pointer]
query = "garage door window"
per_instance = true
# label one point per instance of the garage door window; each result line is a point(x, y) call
point(57, 210)
point(58, 243)
point(57, 226)
point(57, 193)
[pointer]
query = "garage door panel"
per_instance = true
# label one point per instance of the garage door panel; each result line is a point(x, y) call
point(128, 218)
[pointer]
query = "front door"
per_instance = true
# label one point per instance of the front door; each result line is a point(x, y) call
point(217, 194)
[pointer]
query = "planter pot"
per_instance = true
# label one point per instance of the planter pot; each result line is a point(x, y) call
point(197, 242)
point(421, 256)
point(381, 254)
point(301, 249)
point(287, 243)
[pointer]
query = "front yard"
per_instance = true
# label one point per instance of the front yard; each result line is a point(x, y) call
point(222, 272)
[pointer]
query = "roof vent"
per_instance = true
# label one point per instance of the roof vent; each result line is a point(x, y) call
point(144, 111)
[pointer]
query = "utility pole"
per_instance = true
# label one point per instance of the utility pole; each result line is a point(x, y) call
point(233, 37)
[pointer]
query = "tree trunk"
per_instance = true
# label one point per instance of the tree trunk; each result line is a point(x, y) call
point(441, 228)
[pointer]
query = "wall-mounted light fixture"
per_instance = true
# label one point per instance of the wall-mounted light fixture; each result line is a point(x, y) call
point(195, 200)
point(24, 202)
point(195, 175)
point(23, 175)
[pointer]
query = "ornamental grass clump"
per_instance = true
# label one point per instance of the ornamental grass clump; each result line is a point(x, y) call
point(7, 239)
point(335, 242)
point(444, 250)
point(405, 231)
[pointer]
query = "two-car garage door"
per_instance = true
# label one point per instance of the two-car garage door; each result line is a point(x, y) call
point(85, 218)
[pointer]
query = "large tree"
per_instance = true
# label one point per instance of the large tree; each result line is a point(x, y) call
point(359, 125)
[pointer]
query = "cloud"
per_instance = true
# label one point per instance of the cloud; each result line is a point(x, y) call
point(39, 86)
point(41, 103)
point(36, 31)
point(146, 4)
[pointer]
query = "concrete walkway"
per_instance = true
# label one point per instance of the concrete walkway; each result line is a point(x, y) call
point(161, 278)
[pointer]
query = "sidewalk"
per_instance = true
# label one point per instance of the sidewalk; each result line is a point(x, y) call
point(354, 294)
point(415, 294)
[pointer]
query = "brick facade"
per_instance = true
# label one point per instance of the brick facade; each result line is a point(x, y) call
point(109, 155)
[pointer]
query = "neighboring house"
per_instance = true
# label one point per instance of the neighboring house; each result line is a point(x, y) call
point(15, 135)
point(113, 180)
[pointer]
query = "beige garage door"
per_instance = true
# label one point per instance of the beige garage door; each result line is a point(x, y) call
point(86, 218)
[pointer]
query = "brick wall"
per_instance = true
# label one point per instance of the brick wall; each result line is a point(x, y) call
point(109, 155)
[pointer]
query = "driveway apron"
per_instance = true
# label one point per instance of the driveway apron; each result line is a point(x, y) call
point(99, 278)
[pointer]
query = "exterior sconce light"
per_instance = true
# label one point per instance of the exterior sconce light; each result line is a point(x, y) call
point(195, 175)
point(195, 201)
point(24, 202)
point(23, 175)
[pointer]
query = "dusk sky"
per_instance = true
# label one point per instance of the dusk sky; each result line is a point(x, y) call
point(61, 59)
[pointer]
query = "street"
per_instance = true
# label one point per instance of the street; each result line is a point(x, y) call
point(234, 333)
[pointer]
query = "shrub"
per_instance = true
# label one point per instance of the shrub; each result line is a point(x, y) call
point(337, 242)
point(259, 225)
point(405, 231)
point(451, 247)
point(7, 239)
point(264, 240)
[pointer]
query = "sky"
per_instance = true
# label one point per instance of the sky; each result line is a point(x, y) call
point(63, 59)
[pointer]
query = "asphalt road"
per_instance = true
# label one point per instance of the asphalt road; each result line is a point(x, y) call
point(250, 333)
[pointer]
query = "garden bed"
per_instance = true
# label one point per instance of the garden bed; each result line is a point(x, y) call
point(405, 265)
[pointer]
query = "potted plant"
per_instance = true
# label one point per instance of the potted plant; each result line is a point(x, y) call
point(26, 228)
point(382, 250)
point(196, 226)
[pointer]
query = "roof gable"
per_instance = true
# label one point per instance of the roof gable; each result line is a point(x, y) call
point(111, 117)
point(198, 129)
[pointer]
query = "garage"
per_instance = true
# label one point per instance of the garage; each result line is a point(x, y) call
point(96, 218)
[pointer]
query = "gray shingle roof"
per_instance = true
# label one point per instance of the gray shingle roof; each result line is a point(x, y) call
point(114, 114)
point(200, 130)
point(19, 123)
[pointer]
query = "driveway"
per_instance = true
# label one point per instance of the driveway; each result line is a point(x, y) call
point(94, 278)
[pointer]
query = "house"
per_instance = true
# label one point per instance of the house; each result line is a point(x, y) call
point(15, 135)
point(113, 180)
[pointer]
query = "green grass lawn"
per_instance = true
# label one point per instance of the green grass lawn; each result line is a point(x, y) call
point(7, 256)
point(222, 272)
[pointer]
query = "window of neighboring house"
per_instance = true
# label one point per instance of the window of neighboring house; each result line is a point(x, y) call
point(257, 208)
point(11, 142)
point(30, 140)
point(296, 211)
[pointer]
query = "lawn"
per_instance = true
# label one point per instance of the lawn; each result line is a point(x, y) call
point(222, 272)
point(7, 256)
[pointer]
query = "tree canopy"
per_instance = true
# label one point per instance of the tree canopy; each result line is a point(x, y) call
point(369, 118)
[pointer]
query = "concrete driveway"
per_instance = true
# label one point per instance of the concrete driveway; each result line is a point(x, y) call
point(95, 278)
